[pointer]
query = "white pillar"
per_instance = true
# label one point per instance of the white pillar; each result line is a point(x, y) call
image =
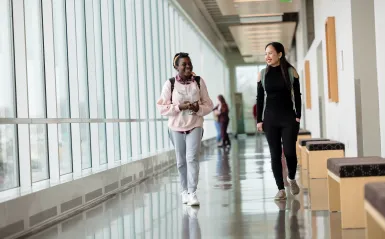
point(379, 16)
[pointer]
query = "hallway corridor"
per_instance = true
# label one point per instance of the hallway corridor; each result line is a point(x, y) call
point(236, 191)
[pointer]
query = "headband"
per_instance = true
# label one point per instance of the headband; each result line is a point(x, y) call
point(176, 57)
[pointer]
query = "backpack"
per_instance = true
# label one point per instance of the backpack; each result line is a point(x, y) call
point(291, 77)
point(172, 80)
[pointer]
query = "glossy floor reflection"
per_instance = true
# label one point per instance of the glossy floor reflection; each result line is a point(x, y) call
point(236, 190)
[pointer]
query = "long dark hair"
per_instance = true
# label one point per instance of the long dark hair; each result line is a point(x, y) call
point(284, 64)
point(224, 107)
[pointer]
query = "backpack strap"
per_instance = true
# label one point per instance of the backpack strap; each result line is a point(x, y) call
point(198, 81)
point(172, 81)
point(263, 74)
point(291, 77)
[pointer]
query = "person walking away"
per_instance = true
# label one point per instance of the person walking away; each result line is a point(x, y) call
point(280, 98)
point(185, 100)
point(224, 119)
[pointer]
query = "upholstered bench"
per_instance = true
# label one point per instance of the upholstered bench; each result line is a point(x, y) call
point(318, 153)
point(302, 134)
point(375, 210)
point(302, 150)
point(346, 180)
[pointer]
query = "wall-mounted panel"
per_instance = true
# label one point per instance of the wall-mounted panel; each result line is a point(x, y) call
point(331, 54)
point(308, 85)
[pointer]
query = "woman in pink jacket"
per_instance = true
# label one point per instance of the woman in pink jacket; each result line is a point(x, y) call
point(185, 101)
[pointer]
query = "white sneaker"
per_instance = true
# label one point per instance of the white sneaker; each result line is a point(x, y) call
point(281, 195)
point(184, 195)
point(294, 188)
point(193, 199)
point(193, 212)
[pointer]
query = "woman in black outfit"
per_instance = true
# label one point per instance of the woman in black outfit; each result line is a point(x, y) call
point(278, 84)
point(222, 110)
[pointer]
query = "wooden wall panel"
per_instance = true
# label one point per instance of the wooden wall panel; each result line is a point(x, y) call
point(331, 55)
point(308, 85)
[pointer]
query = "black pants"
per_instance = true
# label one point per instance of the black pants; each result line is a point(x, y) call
point(287, 130)
point(224, 123)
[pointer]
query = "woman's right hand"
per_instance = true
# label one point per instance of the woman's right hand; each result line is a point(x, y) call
point(184, 106)
point(260, 126)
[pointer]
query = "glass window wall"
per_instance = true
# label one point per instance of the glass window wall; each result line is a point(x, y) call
point(110, 61)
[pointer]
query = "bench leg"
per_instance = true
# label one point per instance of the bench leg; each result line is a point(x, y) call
point(352, 206)
point(333, 195)
point(373, 230)
point(304, 179)
point(352, 200)
point(318, 194)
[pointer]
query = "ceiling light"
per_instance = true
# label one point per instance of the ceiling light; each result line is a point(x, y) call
point(260, 19)
point(262, 15)
point(235, 1)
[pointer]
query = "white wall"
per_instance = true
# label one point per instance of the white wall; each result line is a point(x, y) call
point(379, 8)
point(354, 120)
point(340, 117)
point(365, 75)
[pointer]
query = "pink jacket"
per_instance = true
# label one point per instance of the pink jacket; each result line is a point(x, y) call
point(182, 120)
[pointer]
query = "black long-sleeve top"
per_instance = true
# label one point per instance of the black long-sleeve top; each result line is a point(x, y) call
point(278, 99)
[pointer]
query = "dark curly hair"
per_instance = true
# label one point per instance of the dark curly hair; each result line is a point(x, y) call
point(179, 56)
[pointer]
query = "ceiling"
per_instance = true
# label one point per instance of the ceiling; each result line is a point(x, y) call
point(248, 25)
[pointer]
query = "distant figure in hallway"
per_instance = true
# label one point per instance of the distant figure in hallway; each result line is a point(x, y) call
point(224, 119)
point(280, 98)
point(217, 124)
point(185, 101)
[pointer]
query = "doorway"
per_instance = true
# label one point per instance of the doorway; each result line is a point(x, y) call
point(321, 91)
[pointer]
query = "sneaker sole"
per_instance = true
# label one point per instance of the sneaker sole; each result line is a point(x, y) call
point(280, 199)
point(294, 194)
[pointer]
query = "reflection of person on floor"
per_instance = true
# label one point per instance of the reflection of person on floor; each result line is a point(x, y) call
point(223, 170)
point(190, 223)
point(280, 98)
point(280, 227)
point(222, 112)
point(185, 101)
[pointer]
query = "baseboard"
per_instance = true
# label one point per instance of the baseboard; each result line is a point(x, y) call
point(32, 213)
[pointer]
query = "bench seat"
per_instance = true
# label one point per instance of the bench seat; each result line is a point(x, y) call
point(346, 181)
point(318, 153)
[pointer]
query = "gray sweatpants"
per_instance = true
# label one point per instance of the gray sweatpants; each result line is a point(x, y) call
point(187, 149)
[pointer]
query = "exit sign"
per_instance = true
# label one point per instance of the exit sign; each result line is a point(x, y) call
point(286, 0)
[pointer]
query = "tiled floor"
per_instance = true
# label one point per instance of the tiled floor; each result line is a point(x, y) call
point(236, 191)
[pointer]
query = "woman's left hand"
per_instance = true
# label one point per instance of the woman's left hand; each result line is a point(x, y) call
point(194, 107)
point(298, 119)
